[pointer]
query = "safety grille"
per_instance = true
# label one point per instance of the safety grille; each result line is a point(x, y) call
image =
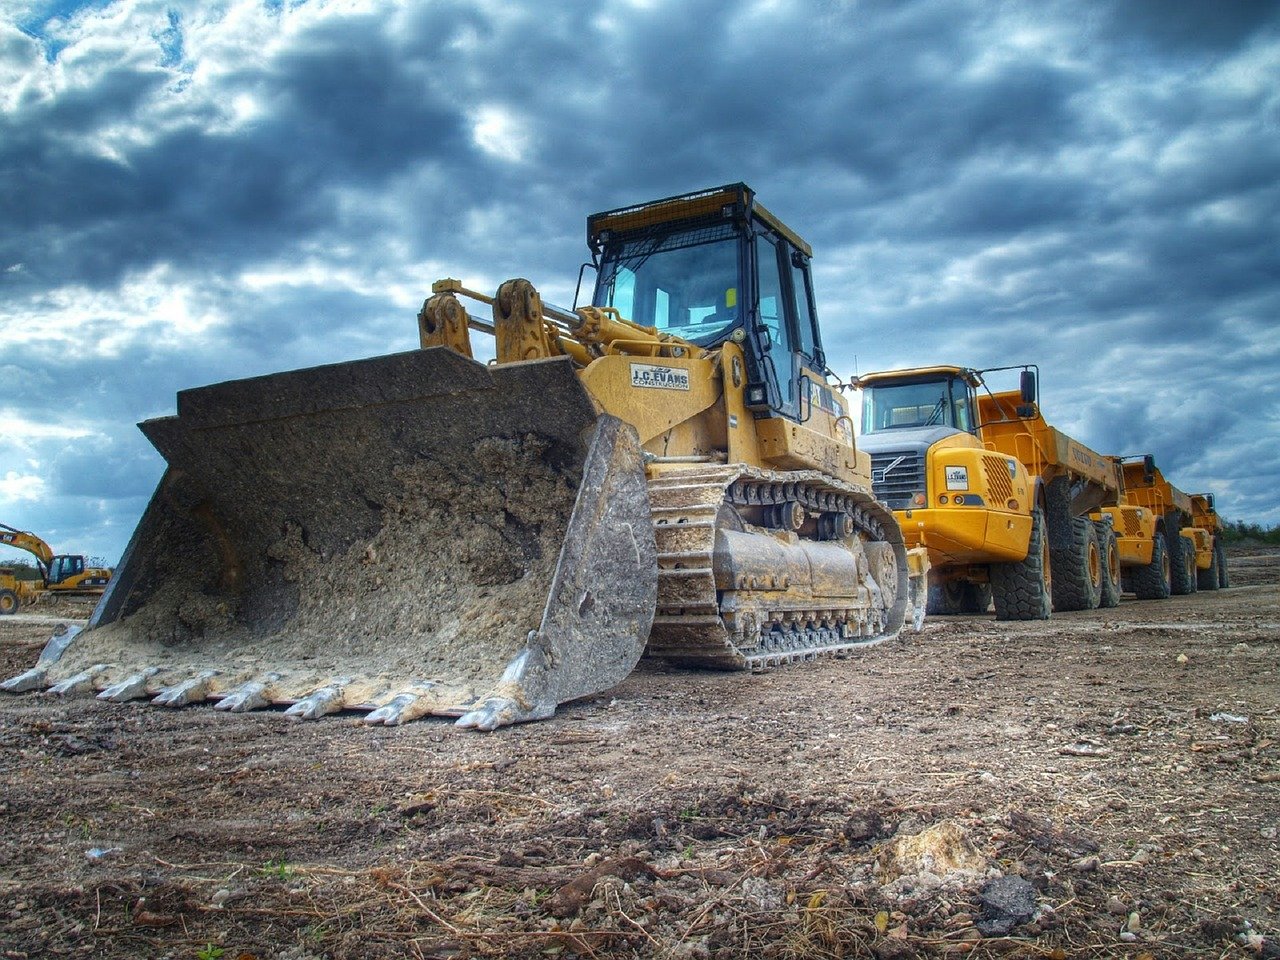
point(999, 483)
point(895, 477)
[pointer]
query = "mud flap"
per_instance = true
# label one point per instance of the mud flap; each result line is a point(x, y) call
point(406, 535)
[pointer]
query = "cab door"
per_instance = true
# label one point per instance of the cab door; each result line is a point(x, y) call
point(774, 328)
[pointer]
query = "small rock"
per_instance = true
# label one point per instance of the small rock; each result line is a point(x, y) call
point(1182, 659)
point(1134, 923)
point(1085, 864)
point(1006, 902)
point(1224, 717)
point(1117, 906)
point(1128, 936)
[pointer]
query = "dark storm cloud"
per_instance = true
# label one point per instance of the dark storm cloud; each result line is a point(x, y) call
point(206, 193)
point(347, 108)
point(1181, 25)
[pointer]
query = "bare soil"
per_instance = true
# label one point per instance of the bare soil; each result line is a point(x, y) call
point(1101, 784)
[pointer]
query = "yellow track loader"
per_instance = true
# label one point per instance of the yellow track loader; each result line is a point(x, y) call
point(666, 471)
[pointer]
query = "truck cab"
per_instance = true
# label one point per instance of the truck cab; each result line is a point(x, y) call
point(966, 503)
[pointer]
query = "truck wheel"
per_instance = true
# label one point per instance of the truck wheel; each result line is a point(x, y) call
point(1109, 596)
point(1208, 579)
point(943, 600)
point(1219, 551)
point(958, 596)
point(8, 602)
point(1022, 590)
point(1182, 562)
point(1077, 569)
point(1151, 582)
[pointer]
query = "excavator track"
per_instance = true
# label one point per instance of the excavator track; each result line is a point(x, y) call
point(758, 568)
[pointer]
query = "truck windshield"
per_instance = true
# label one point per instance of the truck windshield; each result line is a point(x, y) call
point(931, 403)
point(682, 282)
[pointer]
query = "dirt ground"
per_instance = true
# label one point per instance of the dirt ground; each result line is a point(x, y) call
point(1102, 784)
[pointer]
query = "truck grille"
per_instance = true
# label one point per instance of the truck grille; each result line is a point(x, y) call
point(999, 483)
point(895, 477)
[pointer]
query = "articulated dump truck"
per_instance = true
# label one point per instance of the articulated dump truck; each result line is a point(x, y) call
point(1169, 541)
point(666, 471)
point(1000, 499)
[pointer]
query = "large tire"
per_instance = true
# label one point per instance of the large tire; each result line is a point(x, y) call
point(1219, 551)
point(1182, 565)
point(1110, 551)
point(958, 596)
point(1023, 590)
point(8, 603)
point(1151, 582)
point(1077, 569)
point(1207, 579)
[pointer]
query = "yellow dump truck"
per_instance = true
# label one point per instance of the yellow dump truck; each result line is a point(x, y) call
point(1000, 499)
point(1168, 542)
point(668, 471)
point(1210, 575)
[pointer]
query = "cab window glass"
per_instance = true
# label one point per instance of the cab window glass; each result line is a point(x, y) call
point(804, 315)
point(770, 285)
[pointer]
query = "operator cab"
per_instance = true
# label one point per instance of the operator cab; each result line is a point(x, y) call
point(928, 400)
point(64, 567)
point(714, 266)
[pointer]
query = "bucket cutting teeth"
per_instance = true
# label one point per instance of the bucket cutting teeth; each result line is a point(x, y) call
point(37, 678)
point(405, 706)
point(82, 682)
point(364, 526)
point(250, 695)
point(192, 690)
point(318, 703)
point(136, 687)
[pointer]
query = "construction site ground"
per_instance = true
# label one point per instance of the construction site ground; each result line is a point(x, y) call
point(1101, 784)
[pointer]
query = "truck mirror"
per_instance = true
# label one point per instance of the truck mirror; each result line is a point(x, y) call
point(1149, 468)
point(1209, 499)
point(1027, 384)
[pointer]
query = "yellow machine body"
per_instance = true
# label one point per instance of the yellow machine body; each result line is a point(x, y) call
point(665, 471)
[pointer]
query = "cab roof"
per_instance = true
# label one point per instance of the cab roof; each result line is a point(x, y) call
point(967, 374)
point(701, 204)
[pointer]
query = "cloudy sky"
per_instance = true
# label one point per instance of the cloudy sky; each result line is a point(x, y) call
point(196, 191)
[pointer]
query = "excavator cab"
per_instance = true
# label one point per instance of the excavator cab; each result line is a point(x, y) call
point(726, 269)
point(64, 567)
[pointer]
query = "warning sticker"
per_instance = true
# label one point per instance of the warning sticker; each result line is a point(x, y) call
point(663, 378)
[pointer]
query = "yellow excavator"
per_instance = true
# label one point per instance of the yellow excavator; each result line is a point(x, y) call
point(667, 471)
point(61, 574)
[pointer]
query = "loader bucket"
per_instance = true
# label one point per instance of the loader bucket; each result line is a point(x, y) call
point(405, 535)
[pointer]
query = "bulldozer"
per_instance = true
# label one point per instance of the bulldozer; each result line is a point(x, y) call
point(666, 472)
point(61, 574)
